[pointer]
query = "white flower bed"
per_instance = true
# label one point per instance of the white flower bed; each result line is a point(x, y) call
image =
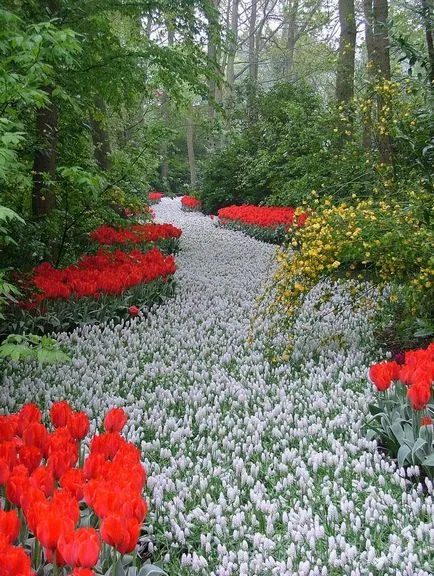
point(254, 469)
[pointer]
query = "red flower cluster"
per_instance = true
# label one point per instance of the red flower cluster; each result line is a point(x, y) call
point(102, 273)
point(190, 202)
point(136, 234)
point(262, 216)
point(39, 473)
point(416, 372)
point(154, 197)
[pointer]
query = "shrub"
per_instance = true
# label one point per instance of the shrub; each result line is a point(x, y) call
point(385, 242)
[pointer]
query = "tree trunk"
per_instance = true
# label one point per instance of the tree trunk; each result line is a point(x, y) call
point(291, 39)
point(164, 167)
point(382, 70)
point(369, 40)
point(427, 14)
point(100, 135)
point(253, 65)
point(230, 72)
point(212, 56)
point(191, 154)
point(45, 159)
point(347, 50)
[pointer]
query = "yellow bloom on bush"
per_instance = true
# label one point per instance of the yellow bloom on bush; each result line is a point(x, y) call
point(380, 241)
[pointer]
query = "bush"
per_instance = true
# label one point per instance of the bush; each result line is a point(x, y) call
point(280, 127)
point(386, 243)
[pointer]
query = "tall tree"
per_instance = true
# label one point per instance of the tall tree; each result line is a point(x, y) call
point(428, 20)
point(191, 152)
point(253, 56)
point(347, 51)
point(233, 40)
point(381, 67)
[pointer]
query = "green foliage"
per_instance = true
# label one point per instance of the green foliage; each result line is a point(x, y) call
point(41, 348)
point(8, 291)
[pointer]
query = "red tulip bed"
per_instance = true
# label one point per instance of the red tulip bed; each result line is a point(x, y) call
point(165, 236)
point(267, 223)
point(155, 197)
point(403, 412)
point(106, 285)
point(190, 204)
point(67, 509)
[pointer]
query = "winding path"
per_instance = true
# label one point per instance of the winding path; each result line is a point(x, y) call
point(254, 468)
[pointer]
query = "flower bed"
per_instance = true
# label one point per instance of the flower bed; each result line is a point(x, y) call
point(99, 287)
point(64, 506)
point(256, 467)
point(402, 415)
point(155, 197)
point(165, 235)
point(190, 204)
point(268, 223)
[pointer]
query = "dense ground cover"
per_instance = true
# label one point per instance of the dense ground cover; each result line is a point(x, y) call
point(258, 464)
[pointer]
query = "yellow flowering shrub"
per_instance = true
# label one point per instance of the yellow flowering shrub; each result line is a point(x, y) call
point(375, 240)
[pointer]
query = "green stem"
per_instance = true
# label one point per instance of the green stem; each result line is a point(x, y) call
point(114, 562)
point(55, 566)
point(36, 555)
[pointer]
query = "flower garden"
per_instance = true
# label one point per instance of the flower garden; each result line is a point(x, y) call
point(267, 223)
point(260, 459)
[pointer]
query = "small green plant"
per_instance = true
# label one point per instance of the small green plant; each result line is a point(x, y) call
point(41, 348)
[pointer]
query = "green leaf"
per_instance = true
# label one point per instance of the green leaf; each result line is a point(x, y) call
point(398, 432)
point(119, 570)
point(418, 445)
point(151, 570)
point(429, 460)
point(403, 453)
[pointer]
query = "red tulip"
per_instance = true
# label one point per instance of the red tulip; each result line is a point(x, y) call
point(78, 425)
point(8, 428)
point(36, 434)
point(114, 532)
point(425, 421)
point(382, 374)
point(60, 413)
point(82, 572)
point(133, 532)
point(43, 479)
point(73, 481)
point(50, 526)
point(9, 525)
point(94, 465)
point(115, 420)
point(14, 561)
point(8, 453)
point(107, 444)
point(30, 457)
point(133, 310)
point(65, 504)
point(86, 547)
point(419, 395)
point(16, 484)
point(135, 507)
point(4, 472)
point(28, 413)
